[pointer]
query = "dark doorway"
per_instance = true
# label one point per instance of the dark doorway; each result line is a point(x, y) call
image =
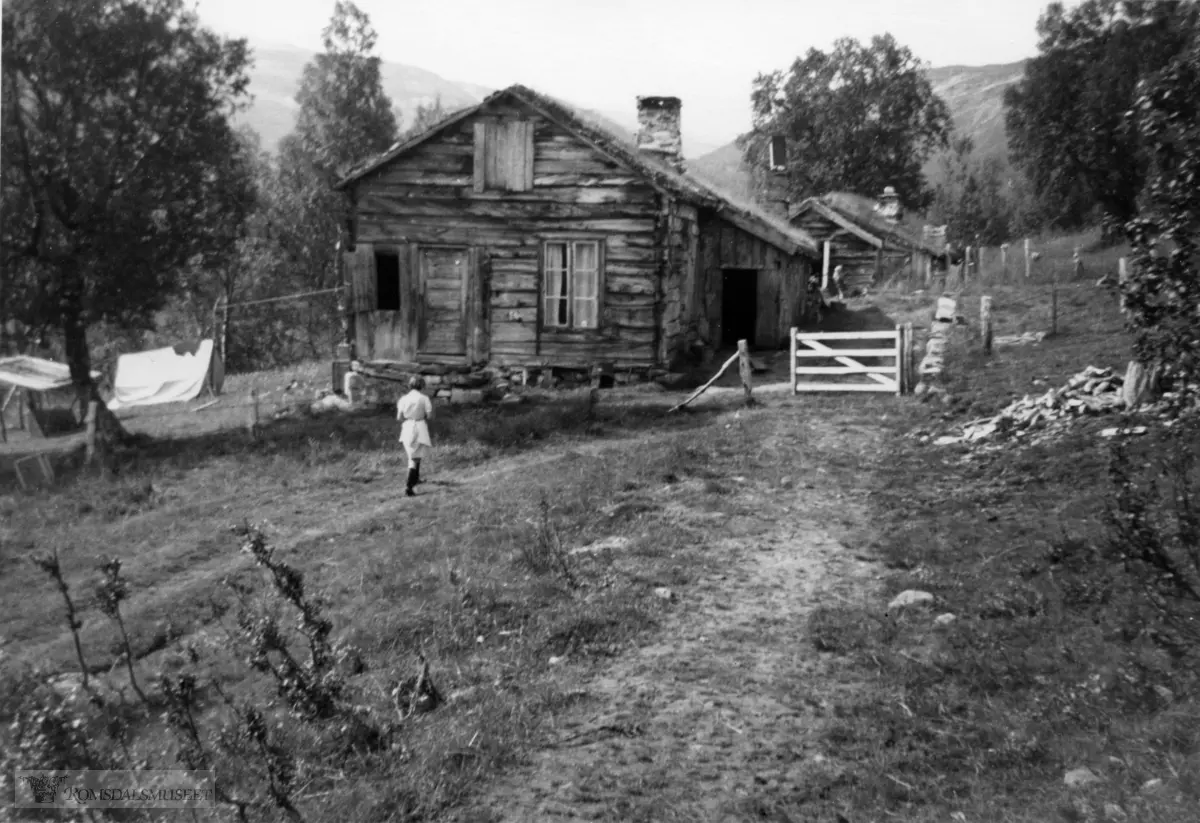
point(387, 281)
point(739, 306)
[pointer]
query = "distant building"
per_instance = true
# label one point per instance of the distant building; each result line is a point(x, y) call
point(872, 240)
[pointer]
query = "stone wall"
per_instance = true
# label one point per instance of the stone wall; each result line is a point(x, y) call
point(383, 383)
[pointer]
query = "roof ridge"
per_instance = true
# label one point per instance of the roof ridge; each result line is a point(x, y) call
point(681, 183)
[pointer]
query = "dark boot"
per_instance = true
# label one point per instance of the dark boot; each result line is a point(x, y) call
point(418, 481)
point(412, 481)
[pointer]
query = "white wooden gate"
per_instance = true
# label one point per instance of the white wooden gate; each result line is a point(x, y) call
point(872, 361)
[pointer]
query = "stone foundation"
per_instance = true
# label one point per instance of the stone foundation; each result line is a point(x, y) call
point(383, 383)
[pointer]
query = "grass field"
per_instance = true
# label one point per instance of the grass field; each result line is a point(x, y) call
point(629, 614)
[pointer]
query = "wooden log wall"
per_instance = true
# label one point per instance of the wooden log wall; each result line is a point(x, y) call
point(679, 315)
point(857, 257)
point(428, 197)
point(863, 265)
point(781, 292)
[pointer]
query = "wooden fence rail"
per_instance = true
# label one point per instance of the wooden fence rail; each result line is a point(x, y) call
point(889, 354)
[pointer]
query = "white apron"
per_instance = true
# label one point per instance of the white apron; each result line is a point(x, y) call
point(414, 435)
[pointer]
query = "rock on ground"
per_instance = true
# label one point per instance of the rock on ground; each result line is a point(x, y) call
point(1082, 776)
point(911, 597)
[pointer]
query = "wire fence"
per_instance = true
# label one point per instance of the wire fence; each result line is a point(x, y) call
point(1051, 287)
point(253, 411)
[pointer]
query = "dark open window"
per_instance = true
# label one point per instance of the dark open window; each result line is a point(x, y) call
point(387, 281)
point(778, 149)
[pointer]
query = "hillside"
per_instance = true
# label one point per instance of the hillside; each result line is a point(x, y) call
point(276, 77)
point(975, 95)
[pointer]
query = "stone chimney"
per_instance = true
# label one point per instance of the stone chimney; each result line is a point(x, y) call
point(774, 196)
point(658, 129)
point(889, 205)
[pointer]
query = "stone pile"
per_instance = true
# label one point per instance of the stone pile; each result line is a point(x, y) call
point(1091, 391)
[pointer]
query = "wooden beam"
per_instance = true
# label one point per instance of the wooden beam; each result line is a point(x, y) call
point(704, 388)
point(847, 226)
point(745, 370)
point(792, 349)
point(855, 369)
point(848, 335)
point(762, 231)
point(826, 352)
point(985, 323)
point(89, 454)
point(409, 145)
point(889, 386)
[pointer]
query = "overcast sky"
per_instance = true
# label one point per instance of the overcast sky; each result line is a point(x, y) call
point(603, 53)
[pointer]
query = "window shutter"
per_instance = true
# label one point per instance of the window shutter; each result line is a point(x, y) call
point(520, 155)
point(481, 154)
point(360, 265)
point(528, 147)
point(508, 163)
point(499, 162)
point(778, 158)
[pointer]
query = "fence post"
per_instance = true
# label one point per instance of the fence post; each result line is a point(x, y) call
point(985, 322)
point(1122, 276)
point(1077, 262)
point(90, 444)
point(252, 420)
point(219, 326)
point(1027, 263)
point(744, 370)
point(792, 347)
point(1054, 306)
point(910, 359)
point(899, 360)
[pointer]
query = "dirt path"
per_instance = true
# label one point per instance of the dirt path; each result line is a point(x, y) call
point(719, 718)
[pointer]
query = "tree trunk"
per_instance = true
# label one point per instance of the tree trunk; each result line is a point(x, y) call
point(79, 360)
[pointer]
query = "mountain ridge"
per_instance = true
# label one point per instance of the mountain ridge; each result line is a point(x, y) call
point(275, 79)
point(973, 93)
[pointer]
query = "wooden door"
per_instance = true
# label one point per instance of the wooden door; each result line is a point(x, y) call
point(445, 276)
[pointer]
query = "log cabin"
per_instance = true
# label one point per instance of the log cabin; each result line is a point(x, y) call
point(522, 234)
point(872, 241)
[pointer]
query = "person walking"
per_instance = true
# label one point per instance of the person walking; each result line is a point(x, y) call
point(414, 409)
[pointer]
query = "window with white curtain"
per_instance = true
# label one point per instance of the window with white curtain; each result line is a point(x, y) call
point(572, 285)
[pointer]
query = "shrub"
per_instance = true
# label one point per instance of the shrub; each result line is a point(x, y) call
point(544, 551)
point(1154, 529)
